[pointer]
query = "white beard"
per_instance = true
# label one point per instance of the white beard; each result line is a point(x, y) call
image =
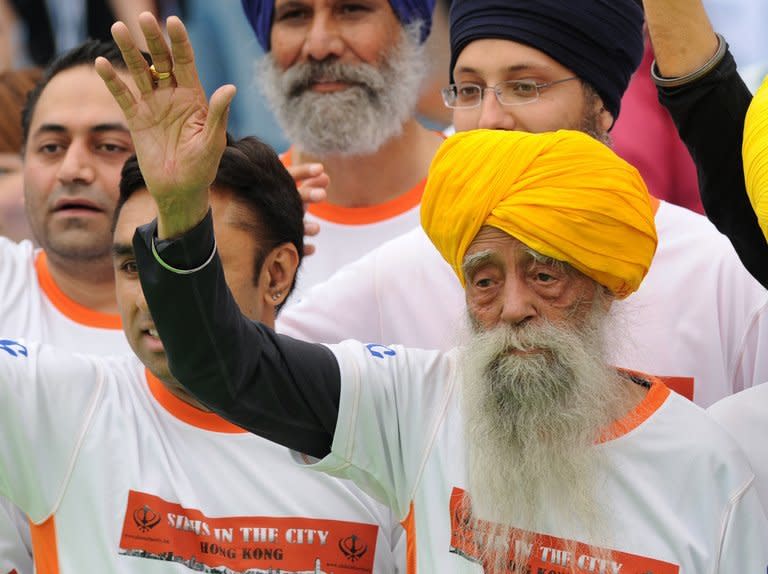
point(532, 421)
point(357, 120)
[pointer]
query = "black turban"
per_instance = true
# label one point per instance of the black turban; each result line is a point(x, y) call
point(601, 41)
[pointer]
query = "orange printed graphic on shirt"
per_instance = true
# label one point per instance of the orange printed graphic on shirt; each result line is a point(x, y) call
point(157, 529)
point(546, 554)
point(681, 385)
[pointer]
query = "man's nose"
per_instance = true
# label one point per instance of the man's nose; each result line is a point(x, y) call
point(324, 39)
point(518, 305)
point(493, 115)
point(76, 165)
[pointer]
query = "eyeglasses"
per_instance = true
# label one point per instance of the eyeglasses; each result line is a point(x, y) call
point(509, 93)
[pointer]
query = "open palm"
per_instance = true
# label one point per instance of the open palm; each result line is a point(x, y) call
point(178, 136)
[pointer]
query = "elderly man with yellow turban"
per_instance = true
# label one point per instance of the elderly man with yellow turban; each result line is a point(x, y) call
point(699, 317)
point(523, 450)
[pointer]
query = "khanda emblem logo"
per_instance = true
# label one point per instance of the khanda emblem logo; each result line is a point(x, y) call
point(145, 518)
point(353, 548)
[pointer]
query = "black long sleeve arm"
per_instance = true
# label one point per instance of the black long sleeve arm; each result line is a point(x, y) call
point(709, 114)
point(277, 387)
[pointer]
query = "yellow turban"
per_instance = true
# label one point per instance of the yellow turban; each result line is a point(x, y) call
point(562, 194)
point(755, 152)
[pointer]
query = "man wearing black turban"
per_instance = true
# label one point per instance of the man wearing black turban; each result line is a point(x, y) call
point(598, 41)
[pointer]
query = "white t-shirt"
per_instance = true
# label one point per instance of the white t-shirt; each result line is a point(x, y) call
point(745, 417)
point(33, 307)
point(679, 492)
point(349, 233)
point(698, 320)
point(118, 475)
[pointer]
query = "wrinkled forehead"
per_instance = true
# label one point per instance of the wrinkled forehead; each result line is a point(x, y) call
point(492, 246)
point(488, 235)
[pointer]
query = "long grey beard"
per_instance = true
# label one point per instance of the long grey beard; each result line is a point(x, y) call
point(357, 120)
point(531, 425)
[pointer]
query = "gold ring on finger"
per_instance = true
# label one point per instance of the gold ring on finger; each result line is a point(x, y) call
point(157, 76)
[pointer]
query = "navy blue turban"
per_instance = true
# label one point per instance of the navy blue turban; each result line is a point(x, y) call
point(601, 41)
point(259, 13)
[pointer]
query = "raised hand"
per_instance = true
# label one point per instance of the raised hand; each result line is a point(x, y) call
point(178, 135)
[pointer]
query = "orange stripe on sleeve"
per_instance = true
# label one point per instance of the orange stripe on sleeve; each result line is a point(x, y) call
point(409, 525)
point(44, 549)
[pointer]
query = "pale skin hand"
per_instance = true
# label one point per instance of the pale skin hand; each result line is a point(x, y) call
point(179, 136)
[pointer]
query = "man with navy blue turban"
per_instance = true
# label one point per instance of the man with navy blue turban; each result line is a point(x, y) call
point(343, 80)
point(260, 14)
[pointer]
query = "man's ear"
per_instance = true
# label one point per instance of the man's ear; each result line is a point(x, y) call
point(278, 272)
point(606, 119)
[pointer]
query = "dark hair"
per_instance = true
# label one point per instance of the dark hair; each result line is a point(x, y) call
point(82, 55)
point(258, 180)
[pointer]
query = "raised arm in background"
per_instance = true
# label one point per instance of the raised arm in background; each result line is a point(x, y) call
point(274, 386)
point(699, 85)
